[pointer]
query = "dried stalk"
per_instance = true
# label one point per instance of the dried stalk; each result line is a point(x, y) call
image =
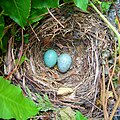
point(104, 99)
point(115, 108)
point(55, 18)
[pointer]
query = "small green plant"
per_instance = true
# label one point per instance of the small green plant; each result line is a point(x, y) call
point(105, 6)
point(23, 58)
point(79, 116)
point(44, 103)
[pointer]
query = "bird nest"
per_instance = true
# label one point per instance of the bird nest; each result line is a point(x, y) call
point(82, 35)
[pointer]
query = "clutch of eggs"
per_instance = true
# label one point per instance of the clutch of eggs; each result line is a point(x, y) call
point(64, 61)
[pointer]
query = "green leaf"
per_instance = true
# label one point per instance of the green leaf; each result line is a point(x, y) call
point(1, 32)
point(13, 104)
point(39, 8)
point(44, 103)
point(82, 4)
point(23, 58)
point(1, 26)
point(105, 6)
point(4, 42)
point(18, 10)
point(39, 4)
point(79, 116)
point(18, 37)
point(26, 38)
point(36, 15)
point(67, 0)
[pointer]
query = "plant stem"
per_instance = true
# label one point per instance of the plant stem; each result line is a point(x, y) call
point(108, 23)
point(2, 13)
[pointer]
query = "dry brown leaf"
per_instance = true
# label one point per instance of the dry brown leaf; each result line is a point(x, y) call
point(64, 91)
point(66, 114)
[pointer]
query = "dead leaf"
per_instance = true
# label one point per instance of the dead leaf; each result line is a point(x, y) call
point(67, 114)
point(64, 91)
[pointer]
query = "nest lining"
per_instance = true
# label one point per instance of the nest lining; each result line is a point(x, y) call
point(84, 36)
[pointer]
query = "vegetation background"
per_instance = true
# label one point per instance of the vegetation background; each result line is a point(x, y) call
point(15, 14)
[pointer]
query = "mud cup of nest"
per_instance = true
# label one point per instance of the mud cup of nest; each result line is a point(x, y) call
point(82, 35)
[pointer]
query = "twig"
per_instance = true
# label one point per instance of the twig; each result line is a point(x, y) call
point(66, 104)
point(32, 81)
point(97, 67)
point(34, 32)
point(24, 84)
point(117, 16)
point(115, 108)
point(72, 72)
point(111, 76)
point(9, 56)
point(41, 117)
point(55, 18)
point(20, 55)
point(96, 37)
point(104, 99)
point(92, 104)
point(76, 101)
point(76, 87)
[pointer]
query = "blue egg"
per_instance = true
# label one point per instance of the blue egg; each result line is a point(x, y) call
point(64, 62)
point(50, 58)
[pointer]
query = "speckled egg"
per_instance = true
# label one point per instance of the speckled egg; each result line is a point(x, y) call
point(50, 58)
point(64, 62)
